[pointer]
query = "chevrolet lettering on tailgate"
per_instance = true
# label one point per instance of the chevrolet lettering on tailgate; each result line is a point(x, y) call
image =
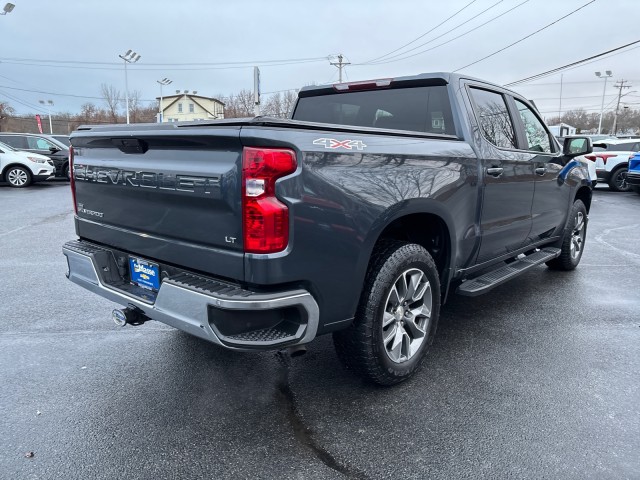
point(162, 181)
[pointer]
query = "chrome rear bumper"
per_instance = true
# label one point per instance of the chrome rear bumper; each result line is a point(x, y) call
point(201, 306)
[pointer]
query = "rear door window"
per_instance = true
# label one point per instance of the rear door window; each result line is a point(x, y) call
point(418, 109)
point(493, 117)
point(14, 141)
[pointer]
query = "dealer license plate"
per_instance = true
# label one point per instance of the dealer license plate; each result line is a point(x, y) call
point(144, 274)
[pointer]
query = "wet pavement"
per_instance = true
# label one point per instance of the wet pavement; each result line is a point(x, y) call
point(537, 379)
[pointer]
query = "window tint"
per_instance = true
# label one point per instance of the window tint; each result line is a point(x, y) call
point(14, 141)
point(494, 118)
point(419, 109)
point(63, 139)
point(537, 135)
point(625, 147)
point(617, 147)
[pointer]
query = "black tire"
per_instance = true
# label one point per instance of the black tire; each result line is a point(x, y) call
point(66, 172)
point(18, 177)
point(361, 347)
point(618, 180)
point(573, 240)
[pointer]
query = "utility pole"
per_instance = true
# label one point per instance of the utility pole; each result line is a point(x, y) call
point(560, 106)
point(340, 64)
point(619, 85)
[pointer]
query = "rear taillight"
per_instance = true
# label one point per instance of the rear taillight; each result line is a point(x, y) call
point(606, 156)
point(590, 157)
point(72, 181)
point(265, 219)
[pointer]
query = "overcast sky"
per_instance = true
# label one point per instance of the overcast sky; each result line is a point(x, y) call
point(43, 44)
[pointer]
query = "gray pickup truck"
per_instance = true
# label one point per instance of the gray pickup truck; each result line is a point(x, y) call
point(358, 216)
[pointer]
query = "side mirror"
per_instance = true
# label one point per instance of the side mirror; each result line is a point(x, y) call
point(576, 146)
point(54, 149)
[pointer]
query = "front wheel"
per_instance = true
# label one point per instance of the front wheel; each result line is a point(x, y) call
point(575, 233)
point(18, 177)
point(396, 317)
point(618, 181)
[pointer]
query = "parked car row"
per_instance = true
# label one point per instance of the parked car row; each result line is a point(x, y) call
point(21, 169)
point(611, 160)
point(27, 157)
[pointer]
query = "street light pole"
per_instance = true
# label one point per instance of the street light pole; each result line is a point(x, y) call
point(48, 104)
point(129, 57)
point(606, 75)
point(164, 81)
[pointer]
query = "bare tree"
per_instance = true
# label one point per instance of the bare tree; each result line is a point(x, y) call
point(239, 105)
point(6, 110)
point(112, 97)
point(135, 105)
point(289, 100)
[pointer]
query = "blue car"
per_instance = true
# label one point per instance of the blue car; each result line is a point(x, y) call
point(633, 175)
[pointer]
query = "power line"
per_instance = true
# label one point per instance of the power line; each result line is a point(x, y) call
point(566, 83)
point(528, 36)
point(21, 102)
point(579, 62)
point(165, 69)
point(452, 39)
point(248, 62)
point(426, 33)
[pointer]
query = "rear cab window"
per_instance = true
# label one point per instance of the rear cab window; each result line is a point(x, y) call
point(425, 109)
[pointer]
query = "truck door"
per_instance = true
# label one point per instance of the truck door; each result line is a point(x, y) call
point(508, 177)
point(551, 198)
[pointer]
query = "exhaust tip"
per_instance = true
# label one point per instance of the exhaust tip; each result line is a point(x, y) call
point(119, 317)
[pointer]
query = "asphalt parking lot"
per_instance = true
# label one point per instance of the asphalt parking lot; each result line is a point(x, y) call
point(537, 379)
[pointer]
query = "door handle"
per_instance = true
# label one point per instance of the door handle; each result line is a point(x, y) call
point(495, 171)
point(540, 171)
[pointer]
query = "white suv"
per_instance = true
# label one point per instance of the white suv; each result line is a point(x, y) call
point(20, 169)
point(612, 161)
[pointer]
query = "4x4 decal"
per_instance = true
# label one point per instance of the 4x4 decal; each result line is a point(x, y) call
point(332, 143)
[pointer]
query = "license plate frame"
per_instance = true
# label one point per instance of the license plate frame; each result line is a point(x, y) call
point(144, 274)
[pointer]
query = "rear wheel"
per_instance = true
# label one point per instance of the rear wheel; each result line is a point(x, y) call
point(18, 177)
point(66, 172)
point(618, 181)
point(396, 317)
point(573, 240)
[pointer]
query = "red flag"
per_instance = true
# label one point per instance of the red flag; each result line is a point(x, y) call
point(39, 122)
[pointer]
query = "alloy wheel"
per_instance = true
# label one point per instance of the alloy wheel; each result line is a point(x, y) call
point(17, 177)
point(407, 315)
point(621, 181)
point(577, 235)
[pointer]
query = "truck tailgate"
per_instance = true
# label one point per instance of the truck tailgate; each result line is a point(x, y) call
point(163, 194)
